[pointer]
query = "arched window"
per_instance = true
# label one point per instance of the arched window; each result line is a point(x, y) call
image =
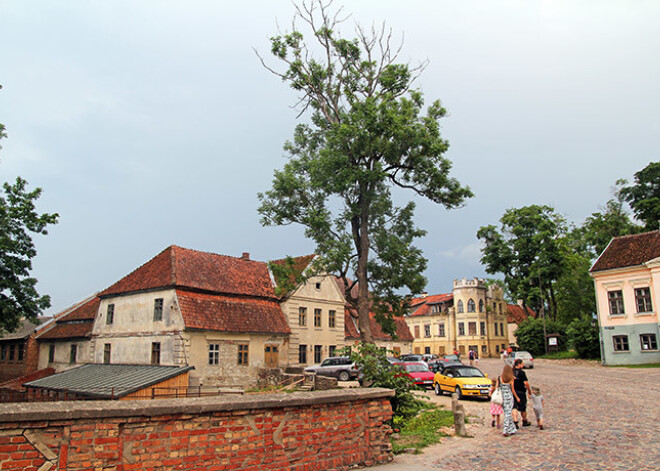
point(459, 306)
point(471, 305)
point(481, 305)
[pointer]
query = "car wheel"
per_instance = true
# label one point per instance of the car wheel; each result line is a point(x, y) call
point(344, 376)
point(438, 389)
point(458, 391)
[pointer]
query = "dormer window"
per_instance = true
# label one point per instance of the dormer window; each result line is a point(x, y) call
point(318, 285)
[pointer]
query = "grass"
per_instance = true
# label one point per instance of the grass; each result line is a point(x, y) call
point(644, 365)
point(561, 355)
point(422, 430)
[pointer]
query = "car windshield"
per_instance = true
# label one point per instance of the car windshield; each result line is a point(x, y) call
point(415, 368)
point(523, 355)
point(451, 357)
point(468, 372)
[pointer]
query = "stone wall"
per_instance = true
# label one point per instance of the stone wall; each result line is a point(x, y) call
point(321, 430)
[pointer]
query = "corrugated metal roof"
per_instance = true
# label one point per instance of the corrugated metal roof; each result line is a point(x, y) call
point(107, 381)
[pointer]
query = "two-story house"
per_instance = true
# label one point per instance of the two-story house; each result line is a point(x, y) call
point(217, 313)
point(627, 281)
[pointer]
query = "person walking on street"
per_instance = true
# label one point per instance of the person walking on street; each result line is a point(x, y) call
point(509, 395)
point(496, 409)
point(471, 357)
point(521, 387)
point(537, 405)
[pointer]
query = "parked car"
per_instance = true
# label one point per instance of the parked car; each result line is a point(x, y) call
point(452, 357)
point(411, 357)
point(440, 364)
point(418, 372)
point(341, 368)
point(526, 357)
point(465, 381)
point(427, 357)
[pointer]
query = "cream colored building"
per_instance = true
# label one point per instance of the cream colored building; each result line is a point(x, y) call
point(472, 317)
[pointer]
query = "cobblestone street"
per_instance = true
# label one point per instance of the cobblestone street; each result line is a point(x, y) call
point(596, 418)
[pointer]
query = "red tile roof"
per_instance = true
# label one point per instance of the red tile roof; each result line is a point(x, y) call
point(517, 314)
point(231, 314)
point(299, 265)
point(77, 323)
point(422, 306)
point(351, 331)
point(192, 269)
point(629, 251)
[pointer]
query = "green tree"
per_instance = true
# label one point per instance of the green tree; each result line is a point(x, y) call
point(644, 196)
point(529, 250)
point(19, 218)
point(367, 135)
point(530, 335)
point(583, 337)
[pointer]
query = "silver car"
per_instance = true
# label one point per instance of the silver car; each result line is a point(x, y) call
point(341, 368)
point(526, 357)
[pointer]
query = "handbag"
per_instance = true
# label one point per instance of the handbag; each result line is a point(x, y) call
point(496, 397)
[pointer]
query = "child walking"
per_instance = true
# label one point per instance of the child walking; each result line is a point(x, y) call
point(496, 410)
point(537, 405)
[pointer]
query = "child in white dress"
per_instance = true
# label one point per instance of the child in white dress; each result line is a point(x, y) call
point(537, 405)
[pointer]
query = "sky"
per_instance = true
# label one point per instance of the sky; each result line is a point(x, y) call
point(152, 123)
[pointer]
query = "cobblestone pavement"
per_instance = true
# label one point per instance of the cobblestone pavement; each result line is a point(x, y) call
point(596, 418)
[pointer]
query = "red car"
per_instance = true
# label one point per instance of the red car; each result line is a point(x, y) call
point(419, 373)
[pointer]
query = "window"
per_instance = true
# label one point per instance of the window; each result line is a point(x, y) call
point(214, 354)
point(461, 328)
point(500, 308)
point(459, 305)
point(3, 353)
point(302, 354)
point(472, 328)
point(616, 302)
point(502, 328)
point(643, 299)
point(317, 318)
point(495, 329)
point(302, 316)
point(51, 353)
point(481, 305)
point(620, 343)
point(158, 309)
point(106, 353)
point(416, 331)
point(648, 341)
point(331, 350)
point(243, 354)
point(471, 305)
point(331, 318)
point(427, 350)
point(155, 353)
point(427, 330)
point(74, 354)
point(12, 351)
point(317, 353)
point(484, 349)
point(318, 285)
point(441, 330)
point(497, 349)
point(482, 328)
point(435, 308)
point(20, 349)
point(110, 317)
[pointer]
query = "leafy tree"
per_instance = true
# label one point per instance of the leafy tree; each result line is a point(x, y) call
point(644, 195)
point(367, 135)
point(530, 335)
point(18, 217)
point(583, 337)
point(529, 250)
point(574, 289)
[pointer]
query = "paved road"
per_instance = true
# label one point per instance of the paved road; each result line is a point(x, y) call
point(596, 418)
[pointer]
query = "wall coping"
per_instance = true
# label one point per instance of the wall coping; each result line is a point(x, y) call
point(63, 410)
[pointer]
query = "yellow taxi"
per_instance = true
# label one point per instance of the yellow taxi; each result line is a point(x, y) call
point(465, 381)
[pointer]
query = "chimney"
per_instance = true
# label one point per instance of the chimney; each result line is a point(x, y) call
point(423, 295)
point(245, 256)
point(520, 302)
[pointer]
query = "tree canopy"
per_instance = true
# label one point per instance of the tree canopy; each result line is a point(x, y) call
point(18, 218)
point(644, 196)
point(369, 132)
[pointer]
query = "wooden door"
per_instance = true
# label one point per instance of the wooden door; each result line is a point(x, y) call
point(271, 356)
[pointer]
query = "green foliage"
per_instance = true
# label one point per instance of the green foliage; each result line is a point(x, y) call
point(422, 430)
point(644, 196)
point(574, 290)
point(530, 336)
point(369, 132)
point(583, 337)
point(567, 355)
point(377, 372)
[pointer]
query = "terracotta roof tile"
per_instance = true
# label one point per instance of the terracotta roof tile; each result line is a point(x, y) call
point(422, 306)
point(192, 269)
point(351, 332)
point(300, 264)
point(517, 314)
point(62, 331)
point(231, 314)
point(628, 251)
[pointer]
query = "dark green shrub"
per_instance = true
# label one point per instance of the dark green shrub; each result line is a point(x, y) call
point(583, 337)
point(530, 337)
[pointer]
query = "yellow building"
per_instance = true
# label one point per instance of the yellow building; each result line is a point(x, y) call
point(472, 317)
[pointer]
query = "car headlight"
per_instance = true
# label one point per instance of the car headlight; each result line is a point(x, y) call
point(471, 386)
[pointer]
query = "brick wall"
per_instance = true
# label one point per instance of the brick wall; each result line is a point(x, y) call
point(320, 430)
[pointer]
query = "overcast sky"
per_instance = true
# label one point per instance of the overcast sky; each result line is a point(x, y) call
point(151, 123)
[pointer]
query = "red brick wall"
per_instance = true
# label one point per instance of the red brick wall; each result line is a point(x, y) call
point(325, 430)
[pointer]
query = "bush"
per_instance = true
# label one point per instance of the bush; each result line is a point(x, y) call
point(583, 337)
point(530, 337)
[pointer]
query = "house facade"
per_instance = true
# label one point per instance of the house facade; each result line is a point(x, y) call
point(19, 351)
point(627, 282)
point(472, 317)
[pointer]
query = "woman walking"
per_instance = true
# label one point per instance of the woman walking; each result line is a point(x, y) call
point(508, 393)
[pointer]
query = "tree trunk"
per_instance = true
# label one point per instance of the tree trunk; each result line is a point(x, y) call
point(362, 245)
